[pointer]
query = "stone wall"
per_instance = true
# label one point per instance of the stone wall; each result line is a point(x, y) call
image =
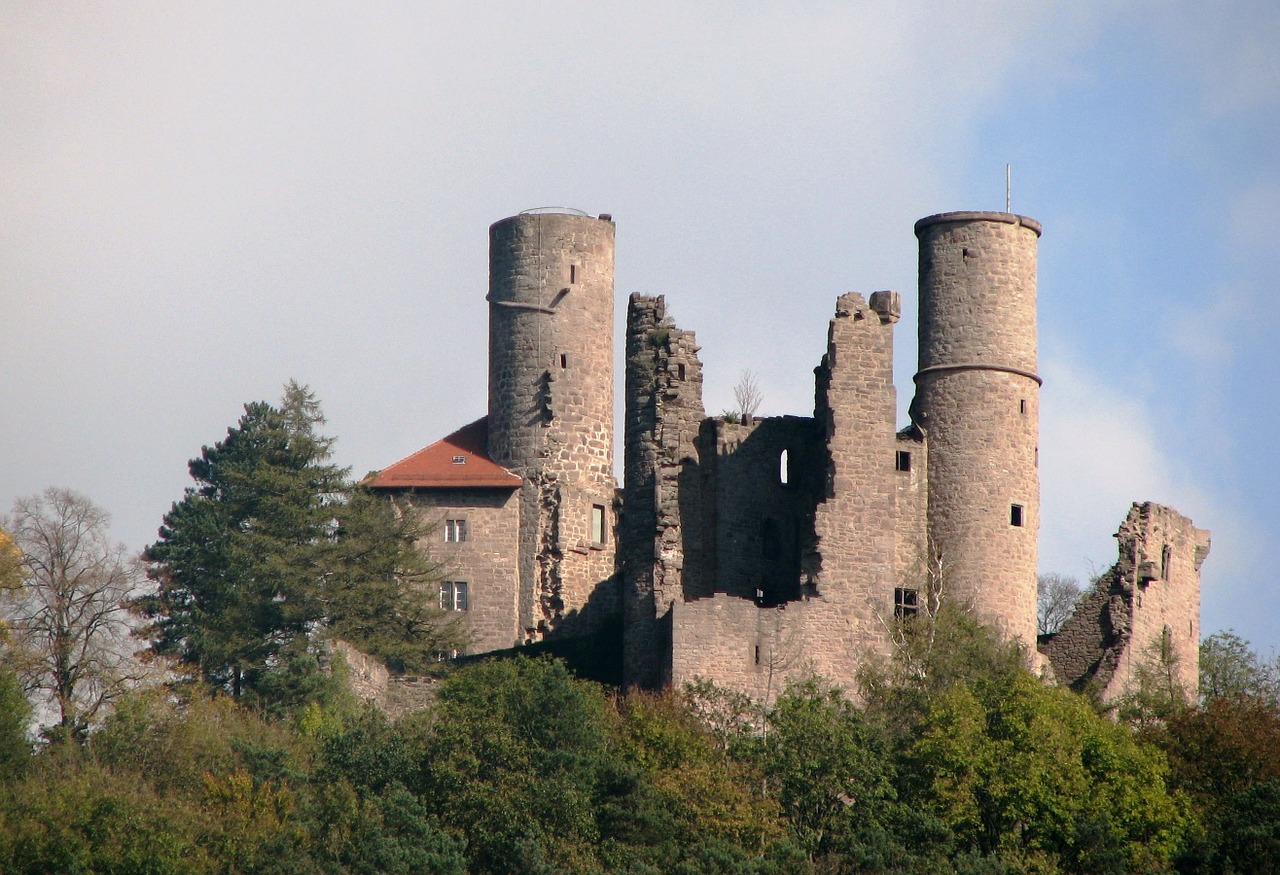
point(767, 476)
point(856, 523)
point(486, 561)
point(661, 527)
point(1148, 601)
point(978, 402)
point(394, 695)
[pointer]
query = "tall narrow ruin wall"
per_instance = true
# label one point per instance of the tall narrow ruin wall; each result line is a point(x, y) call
point(1148, 602)
point(661, 526)
point(856, 523)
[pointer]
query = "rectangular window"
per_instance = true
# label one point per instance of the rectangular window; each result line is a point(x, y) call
point(903, 461)
point(597, 524)
point(455, 531)
point(1015, 515)
point(906, 603)
point(453, 595)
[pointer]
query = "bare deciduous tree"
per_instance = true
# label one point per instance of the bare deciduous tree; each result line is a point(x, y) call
point(1056, 599)
point(747, 396)
point(68, 620)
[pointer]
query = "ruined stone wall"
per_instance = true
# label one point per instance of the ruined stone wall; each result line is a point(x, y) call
point(394, 695)
point(767, 475)
point(978, 403)
point(551, 406)
point(1148, 600)
point(486, 561)
point(912, 531)
point(856, 523)
point(662, 537)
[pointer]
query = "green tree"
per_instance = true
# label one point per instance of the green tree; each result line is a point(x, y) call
point(1229, 667)
point(1225, 756)
point(1034, 774)
point(274, 545)
point(518, 763)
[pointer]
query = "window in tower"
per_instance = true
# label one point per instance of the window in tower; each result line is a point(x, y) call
point(906, 603)
point(1015, 515)
point(903, 461)
point(598, 530)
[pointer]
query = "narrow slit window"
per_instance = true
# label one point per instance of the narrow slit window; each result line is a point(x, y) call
point(1022, 406)
point(903, 461)
point(784, 467)
point(598, 530)
point(1016, 515)
point(757, 654)
point(680, 371)
point(573, 274)
point(564, 361)
point(1166, 557)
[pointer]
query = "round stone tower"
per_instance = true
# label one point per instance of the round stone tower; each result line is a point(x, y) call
point(551, 400)
point(977, 398)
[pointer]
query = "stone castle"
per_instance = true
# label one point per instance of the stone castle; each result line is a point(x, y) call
point(748, 550)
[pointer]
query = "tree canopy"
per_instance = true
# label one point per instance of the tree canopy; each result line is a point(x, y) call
point(274, 545)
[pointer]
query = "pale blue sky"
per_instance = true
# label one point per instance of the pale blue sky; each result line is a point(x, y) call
point(197, 204)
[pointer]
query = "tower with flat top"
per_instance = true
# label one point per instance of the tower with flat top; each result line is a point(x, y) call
point(551, 403)
point(977, 400)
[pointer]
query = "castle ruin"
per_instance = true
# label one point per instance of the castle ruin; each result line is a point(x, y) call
point(747, 550)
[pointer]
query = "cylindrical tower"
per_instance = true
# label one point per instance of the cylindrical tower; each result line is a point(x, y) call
point(977, 398)
point(551, 343)
point(551, 409)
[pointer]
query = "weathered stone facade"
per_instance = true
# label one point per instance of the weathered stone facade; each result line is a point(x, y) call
point(1144, 610)
point(750, 552)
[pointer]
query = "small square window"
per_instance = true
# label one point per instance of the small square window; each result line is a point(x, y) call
point(903, 461)
point(455, 531)
point(1015, 515)
point(453, 595)
point(906, 603)
point(598, 530)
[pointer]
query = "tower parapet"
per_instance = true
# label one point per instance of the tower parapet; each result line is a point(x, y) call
point(977, 399)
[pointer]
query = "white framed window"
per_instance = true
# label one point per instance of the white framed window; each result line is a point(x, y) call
point(453, 595)
point(455, 531)
point(599, 530)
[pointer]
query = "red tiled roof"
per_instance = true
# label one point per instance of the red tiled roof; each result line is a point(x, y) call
point(458, 460)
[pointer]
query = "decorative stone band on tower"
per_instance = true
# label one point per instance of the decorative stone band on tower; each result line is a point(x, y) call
point(551, 402)
point(977, 399)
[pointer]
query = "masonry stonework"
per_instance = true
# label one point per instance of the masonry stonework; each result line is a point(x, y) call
point(751, 551)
